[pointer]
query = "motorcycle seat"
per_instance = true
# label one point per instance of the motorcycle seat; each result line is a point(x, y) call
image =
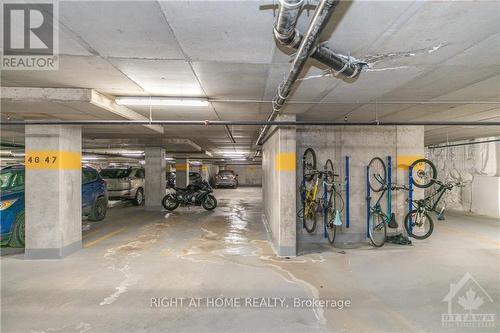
point(180, 189)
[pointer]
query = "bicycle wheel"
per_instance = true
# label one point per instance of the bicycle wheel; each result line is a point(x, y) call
point(418, 225)
point(377, 230)
point(377, 174)
point(331, 229)
point(309, 217)
point(424, 173)
point(308, 163)
point(328, 168)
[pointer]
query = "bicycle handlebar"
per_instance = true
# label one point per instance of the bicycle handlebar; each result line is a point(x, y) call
point(318, 172)
point(449, 185)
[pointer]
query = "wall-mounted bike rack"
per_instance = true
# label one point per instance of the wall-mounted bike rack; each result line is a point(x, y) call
point(347, 204)
point(410, 192)
point(389, 186)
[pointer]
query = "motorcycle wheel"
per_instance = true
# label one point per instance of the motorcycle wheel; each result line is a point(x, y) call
point(209, 202)
point(170, 202)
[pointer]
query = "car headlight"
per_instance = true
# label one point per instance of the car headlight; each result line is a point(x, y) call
point(6, 204)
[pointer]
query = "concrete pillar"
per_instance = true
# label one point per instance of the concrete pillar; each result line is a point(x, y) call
point(182, 172)
point(409, 148)
point(204, 172)
point(279, 187)
point(155, 178)
point(53, 191)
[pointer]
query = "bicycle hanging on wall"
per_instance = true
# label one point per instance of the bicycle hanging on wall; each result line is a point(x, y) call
point(332, 211)
point(418, 222)
point(329, 200)
point(379, 180)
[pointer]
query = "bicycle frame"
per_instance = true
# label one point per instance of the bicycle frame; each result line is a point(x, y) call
point(328, 197)
point(310, 197)
point(427, 202)
point(376, 209)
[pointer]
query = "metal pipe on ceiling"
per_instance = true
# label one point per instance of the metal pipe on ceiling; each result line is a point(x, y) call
point(248, 123)
point(462, 144)
point(374, 102)
point(287, 35)
point(307, 44)
point(286, 21)
point(229, 133)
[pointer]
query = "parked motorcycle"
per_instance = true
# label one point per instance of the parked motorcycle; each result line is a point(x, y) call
point(193, 195)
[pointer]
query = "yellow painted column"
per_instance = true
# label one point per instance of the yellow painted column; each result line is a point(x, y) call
point(182, 172)
point(53, 191)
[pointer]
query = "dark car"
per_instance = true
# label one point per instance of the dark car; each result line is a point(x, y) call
point(94, 201)
point(226, 178)
point(194, 178)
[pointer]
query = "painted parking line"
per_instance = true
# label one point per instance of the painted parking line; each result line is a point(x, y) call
point(90, 233)
point(102, 238)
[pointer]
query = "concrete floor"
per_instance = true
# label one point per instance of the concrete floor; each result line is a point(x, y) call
point(133, 256)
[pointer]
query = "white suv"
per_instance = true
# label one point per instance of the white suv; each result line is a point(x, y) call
point(125, 183)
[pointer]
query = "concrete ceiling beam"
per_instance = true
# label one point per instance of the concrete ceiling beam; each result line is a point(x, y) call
point(72, 95)
point(110, 105)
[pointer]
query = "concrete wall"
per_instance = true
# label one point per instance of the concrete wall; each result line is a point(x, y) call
point(478, 167)
point(362, 144)
point(486, 196)
point(248, 175)
point(279, 188)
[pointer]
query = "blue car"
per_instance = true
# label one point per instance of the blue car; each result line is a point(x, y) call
point(94, 201)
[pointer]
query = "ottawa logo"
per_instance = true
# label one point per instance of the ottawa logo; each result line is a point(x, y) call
point(466, 301)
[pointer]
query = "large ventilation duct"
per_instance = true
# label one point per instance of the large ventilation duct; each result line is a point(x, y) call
point(285, 29)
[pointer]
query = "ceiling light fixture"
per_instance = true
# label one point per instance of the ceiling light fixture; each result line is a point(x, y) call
point(161, 101)
point(234, 153)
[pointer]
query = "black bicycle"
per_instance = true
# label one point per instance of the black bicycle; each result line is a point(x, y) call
point(378, 219)
point(418, 222)
point(332, 202)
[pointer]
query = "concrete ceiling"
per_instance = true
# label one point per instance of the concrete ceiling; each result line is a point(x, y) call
point(447, 52)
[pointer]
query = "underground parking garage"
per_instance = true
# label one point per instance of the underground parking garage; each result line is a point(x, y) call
point(250, 166)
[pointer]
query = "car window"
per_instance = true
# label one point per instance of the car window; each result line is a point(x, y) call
point(115, 173)
point(12, 179)
point(88, 176)
point(226, 172)
point(140, 173)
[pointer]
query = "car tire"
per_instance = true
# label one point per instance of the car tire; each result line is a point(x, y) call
point(17, 237)
point(139, 197)
point(99, 209)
